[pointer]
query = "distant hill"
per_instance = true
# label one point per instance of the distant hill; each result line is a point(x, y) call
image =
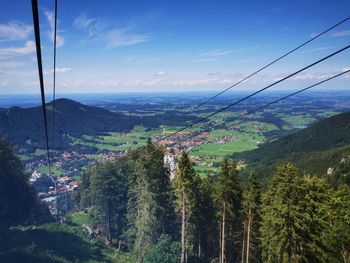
point(311, 147)
point(72, 118)
point(24, 126)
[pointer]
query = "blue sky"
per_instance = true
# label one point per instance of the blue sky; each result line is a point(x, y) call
point(118, 46)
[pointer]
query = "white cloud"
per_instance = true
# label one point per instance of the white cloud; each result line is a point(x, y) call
point(213, 74)
point(201, 60)
point(94, 26)
point(63, 70)
point(147, 60)
point(18, 51)
point(221, 52)
point(345, 69)
point(343, 33)
point(82, 21)
point(313, 34)
point(129, 59)
point(51, 19)
point(123, 37)
point(99, 28)
point(314, 75)
point(216, 52)
point(14, 31)
point(27, 83)
point(59, 70)
point(160, 73)
point(316, 49)
point(11, 63)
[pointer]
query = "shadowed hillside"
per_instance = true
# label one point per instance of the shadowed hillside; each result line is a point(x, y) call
point(24, 126)
point(313, 149)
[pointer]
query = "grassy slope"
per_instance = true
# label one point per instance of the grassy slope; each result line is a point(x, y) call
point(54, 242)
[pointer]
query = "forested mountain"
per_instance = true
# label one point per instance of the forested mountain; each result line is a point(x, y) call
point(71, 118)
point(24, 126)
point(313, 148)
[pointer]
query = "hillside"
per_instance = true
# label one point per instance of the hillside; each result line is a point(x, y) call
point(52, 242)
point(309, 147)
point(24, 126)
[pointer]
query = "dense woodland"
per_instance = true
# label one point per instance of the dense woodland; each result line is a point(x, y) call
point(295, 217)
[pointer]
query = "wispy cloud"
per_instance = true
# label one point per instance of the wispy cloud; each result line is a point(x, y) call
point(160, 73)
point(11, 63)
point(51, 19)
point(82, 21)
point(124, 37)
point(134, 60)
point(14, 30)
point(221, 52)
point(28, 48)
point(213, 74)
point(59, 70)
point(63, 70)
point(94, 26)
point(316, 49)
point(99, 28)
point(343, 33)
point(200, 60)
point(216, 52)
point(317, 75)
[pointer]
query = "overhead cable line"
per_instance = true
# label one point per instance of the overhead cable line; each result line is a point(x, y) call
point(271, 63)
point(41, 78)
point(273, 102)
point(54, 78)
point(54, 100)
point(256, 92)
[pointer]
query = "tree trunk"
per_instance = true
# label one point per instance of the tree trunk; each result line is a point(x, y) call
point(199, 246)
point(183, 214)
point(223, 234)
point(243, 243)
point(248, 232)
point(345, 255)
point(109, 223)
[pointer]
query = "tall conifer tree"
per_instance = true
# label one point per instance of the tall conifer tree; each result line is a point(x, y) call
point(228, 199)
point(187, 185)
point(251, 204)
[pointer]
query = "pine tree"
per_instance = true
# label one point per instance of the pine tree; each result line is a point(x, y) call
point(206, 223)
point(187, 188)
point(292, 218)
point(83, 197)
point(109, 197)
point(150, 210)
point(228, 200)
point(336, 236)
point(251, 243)
point(18, 203)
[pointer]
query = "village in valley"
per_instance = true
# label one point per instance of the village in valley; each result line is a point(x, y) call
point(207, 144)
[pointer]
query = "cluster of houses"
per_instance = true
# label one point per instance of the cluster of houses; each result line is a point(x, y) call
point(67, 182)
